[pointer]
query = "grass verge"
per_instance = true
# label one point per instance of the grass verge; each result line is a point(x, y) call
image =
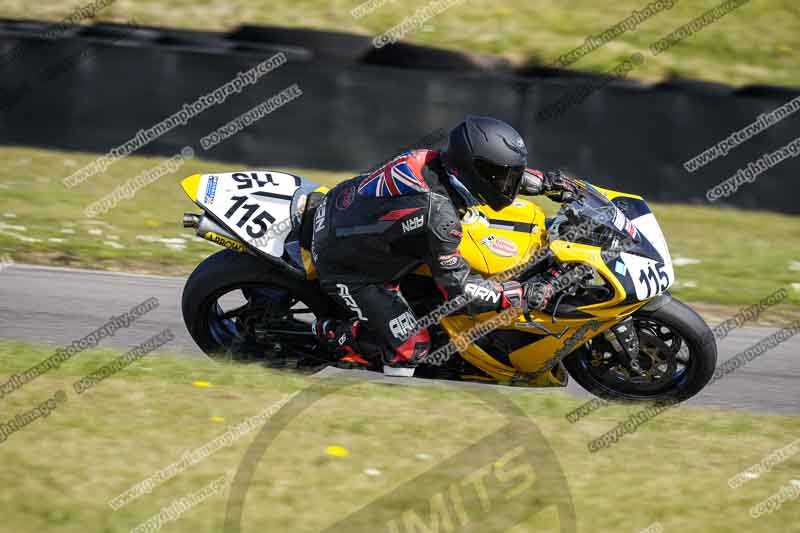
point(65, 468)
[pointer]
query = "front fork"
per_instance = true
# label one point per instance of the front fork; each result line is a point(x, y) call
point(624, 338)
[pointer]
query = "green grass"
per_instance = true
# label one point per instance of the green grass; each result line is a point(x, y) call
point(744, 255)
point(61, 471)
point(756, 43)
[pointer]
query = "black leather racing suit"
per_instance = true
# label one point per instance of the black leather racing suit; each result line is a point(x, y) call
point(371, 230)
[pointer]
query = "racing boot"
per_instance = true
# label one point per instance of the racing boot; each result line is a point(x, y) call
point(340, 336)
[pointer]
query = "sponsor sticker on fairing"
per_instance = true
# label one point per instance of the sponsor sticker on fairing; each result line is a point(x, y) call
point(630, 228)
point(619, 219)
point(500, 246)
point(211, 189)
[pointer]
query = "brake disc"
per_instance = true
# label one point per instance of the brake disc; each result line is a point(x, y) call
point(657, 361)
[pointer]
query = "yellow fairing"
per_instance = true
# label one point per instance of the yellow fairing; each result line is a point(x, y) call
point(570, 252)
point(560, 338)
point(190, 186)
point(527, 362)
point(507, 238)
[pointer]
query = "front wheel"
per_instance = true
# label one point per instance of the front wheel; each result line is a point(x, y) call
point(677, 358)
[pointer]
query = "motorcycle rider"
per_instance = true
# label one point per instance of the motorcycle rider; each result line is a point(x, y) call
point(372, 230)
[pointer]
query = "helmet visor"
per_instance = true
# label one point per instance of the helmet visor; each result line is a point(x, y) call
point(505, 179)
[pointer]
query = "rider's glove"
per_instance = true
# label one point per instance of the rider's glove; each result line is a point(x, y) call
point(553, 184)
point(537, 295)
point(559, 186)
point(532, 182)
point(532, 295)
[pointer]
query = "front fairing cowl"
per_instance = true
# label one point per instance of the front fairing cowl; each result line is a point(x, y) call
point(643, 264)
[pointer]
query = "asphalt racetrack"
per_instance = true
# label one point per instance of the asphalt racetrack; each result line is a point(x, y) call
point(56, 306)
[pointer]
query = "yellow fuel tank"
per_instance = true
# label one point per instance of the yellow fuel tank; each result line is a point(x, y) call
point(495, 241)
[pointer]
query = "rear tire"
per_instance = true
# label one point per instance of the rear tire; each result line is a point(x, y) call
point(226, 271)
point(695, 335)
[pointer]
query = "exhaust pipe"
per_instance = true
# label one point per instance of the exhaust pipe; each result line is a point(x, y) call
point(213, 232)
point(190, 220)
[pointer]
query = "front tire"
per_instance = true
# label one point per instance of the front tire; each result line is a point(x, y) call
point(678, 341)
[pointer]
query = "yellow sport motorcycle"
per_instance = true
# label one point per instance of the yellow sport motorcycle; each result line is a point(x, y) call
point(612, 325)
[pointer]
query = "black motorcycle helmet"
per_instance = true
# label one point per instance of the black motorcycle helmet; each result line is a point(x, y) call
point(488, 157)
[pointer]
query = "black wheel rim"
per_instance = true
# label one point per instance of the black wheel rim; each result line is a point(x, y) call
point(261, 323)
point(665, 363)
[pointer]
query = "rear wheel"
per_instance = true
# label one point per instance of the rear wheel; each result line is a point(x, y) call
point(677, 357)
point(239, 307)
